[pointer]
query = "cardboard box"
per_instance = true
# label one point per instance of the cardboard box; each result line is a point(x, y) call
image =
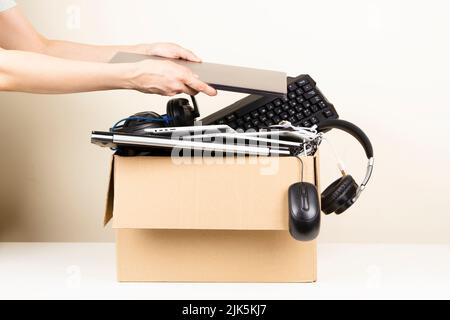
point(208, 222)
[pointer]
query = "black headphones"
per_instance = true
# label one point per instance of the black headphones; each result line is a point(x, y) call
point(343, 193)
point(179, 114)
point(304, 204)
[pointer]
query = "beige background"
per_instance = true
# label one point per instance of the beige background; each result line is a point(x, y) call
point(384, 64)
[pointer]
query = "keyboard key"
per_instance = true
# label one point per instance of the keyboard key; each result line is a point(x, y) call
point(292, 95)
point(314, 109)
point(300, 116)
point(278, 111)
point(231, 118)
point(300, 100)
point(310, 94)
point(316, 100)
point(263, 110)
point(255, 123)
point(255, 114)
point(247, 118)
point(292, 120)
point(263, 118)
point(248, 126)
point(284, 116)
point(285, 99)
point(314, 120)
point(269, 123)
point(277, 103)
point(292, 112)
point(270, 107)
point(299, 92)
point(307, 113)
point(233, 125)
point(285, 107)
point(322, 105)
point(307, 104)
point(221, 121)
point(276, 119)
point(307, 124)
point(270, 114)
point(292, 87)
point(328, 113)
point(302, 83)
point(298, 109)
point(293, 104)
point(240, 122)
point(308, 87)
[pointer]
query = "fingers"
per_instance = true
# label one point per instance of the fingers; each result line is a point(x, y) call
point(188, 55)
point(172, 50)
point(189, 79)
point(189, 91)
point(194, 83)
point(169, 78)
point(179, 88)
point(183, 53)
point(192, 88)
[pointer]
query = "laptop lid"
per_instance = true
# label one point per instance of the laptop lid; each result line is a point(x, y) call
point(224, 77)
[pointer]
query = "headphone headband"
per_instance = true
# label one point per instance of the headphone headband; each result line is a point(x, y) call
point(351, 129)
point(363, 139)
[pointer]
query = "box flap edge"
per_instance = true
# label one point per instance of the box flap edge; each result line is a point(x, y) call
point(109, 205)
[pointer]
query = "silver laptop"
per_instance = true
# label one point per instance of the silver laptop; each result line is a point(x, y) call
point(223, 77)
point(116, 140)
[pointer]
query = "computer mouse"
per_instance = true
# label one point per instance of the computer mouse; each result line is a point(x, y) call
point(304, 211)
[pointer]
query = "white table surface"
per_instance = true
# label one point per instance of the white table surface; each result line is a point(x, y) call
point(346, 271)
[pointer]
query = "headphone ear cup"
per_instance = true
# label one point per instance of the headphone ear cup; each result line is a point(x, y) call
point(180, 112)
point(328, 196)
point(338, 196)
point(139, 126)
point(345, 207)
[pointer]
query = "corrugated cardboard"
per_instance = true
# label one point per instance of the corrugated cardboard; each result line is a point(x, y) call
point(208, 222)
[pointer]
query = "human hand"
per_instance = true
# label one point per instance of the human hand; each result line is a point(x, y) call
point(166, 78)
point(169, 50)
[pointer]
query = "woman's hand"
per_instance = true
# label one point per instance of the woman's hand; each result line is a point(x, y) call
point(168, 50)
point(165, 77)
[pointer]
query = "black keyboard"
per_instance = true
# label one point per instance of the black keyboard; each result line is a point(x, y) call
point(304, 106)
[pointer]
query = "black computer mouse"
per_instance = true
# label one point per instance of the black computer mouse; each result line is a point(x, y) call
point(304, 211)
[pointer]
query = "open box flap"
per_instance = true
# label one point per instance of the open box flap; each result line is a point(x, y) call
point(156, 193)
point(109, 208)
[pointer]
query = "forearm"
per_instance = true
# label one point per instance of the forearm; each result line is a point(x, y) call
point(85, 52)
point(37, 73)
point(17, 33)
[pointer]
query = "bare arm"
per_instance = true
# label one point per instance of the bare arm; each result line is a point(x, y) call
point(37, 73)
point(17, 33)
point(35, 64)
point(86, 52)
